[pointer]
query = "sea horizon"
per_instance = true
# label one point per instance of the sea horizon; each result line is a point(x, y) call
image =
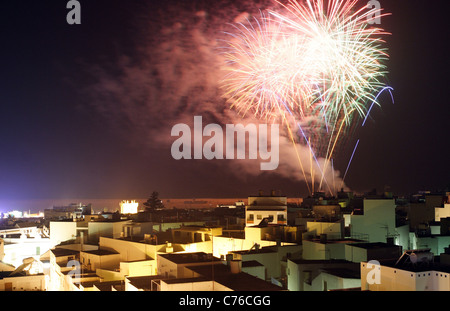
point(99, 205)
point(111, 205)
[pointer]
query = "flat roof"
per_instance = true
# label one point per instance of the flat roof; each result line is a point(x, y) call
point(236, 281)
point(107, 286)
point(374, 245)
point(186, 280)
point(181, 258)
point(336, 241)
point(5, 274)
point(59, 252)
point(430, 267)
point(266, 208)
point(251, 263)
point(344, 273)
point(143, 282)
point(267, 196)
point(263, 250)
point(195, 228)
point(321, 261)
point(101, 252)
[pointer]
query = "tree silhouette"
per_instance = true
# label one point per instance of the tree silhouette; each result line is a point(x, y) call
point(153, 203)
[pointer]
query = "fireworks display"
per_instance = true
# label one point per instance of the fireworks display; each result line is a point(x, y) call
point(318, 67)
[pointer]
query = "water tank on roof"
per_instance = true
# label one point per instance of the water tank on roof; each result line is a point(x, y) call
point(413, 258)
point(235, 266)
point(169, 248)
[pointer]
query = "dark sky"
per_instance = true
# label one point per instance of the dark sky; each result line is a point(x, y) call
point(54, 144)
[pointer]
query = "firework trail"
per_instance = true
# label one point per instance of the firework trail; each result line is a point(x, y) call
point(315, 67)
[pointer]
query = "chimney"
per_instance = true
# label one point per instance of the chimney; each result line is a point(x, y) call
point(229, 258)
point(169, 248)
point(81, 241)
point(235, 266)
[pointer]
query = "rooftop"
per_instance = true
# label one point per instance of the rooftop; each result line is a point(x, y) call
point(251, 263)
point(338, 241)
point(5, 274)
point(344, 273)
point(433, 266)
point(59, 252)
point(264, 250)
point(107, 286)
point(266, 208)
point(143, 282)
point(196, 228)
point(182, 258)
point(101, 252)
point(186, 280)
point(375, 245)
point(320, 262)
point(235, 281)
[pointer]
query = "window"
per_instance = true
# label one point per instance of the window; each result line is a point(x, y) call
point(259, 217)
point(251, 217)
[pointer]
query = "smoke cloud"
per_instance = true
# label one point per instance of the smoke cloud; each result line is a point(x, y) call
point(174, 75)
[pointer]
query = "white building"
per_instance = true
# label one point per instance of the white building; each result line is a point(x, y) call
point(320, 275)
point(173, 265)
point(22, 282)
point(325, 249)
point(106, 228)
point(272, 208)
point(333, 230)
point(441, 212)
point(376, 223)
point(335, 279)
point(61, 231)
point(407, 274)
point(21, 243)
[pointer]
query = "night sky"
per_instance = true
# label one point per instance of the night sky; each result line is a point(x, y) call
point(79, 116)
